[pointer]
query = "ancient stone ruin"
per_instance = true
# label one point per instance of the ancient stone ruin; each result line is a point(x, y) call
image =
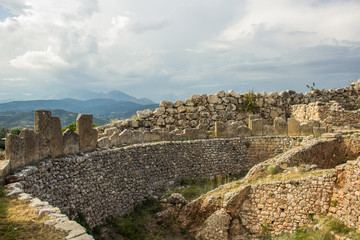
point(104, 172)
point(48, 141)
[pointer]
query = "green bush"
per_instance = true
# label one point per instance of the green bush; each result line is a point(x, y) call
point(15, 131)
point(72, 126)
point(249, 103)
point(133, 224)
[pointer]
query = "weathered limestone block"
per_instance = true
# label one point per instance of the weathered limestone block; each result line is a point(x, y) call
point(159, 111)
point(104, 142)
point(280, 126)
point(314, 123)
point(166, 104)
point(4, 170)
point(181, 109)
point(110, 131)
point(130, 137)
point(318, 131)
point(156, 136)
point(234, 94)
point(234, 200)
point(243, 131)
point(42, 125)
point(215, 227)
point(56, 141)
point(114, 139)
point(256, 126)
point(31, 145)
point(71, 142)
point(88, 135)
point(178, 103)
point(306, 129)
point(212, 99)
point(144, 113)
point(194, 133)
point(268, 130)
point(14, 150)
point(293, 127)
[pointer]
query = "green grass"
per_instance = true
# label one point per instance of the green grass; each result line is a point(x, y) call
point(141, 224)
point(194, 188)
point(329, 224)
point(273, 170)
point(133, 225)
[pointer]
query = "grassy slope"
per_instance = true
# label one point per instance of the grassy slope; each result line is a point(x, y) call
point(18, 222)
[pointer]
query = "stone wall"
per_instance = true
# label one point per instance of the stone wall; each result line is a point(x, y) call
point(281, 207)
point(227, 108)
point(106, 183)
point(329, 115)
point(345, 202)
point(113, 137)
point(47, 140)
point(266, 207)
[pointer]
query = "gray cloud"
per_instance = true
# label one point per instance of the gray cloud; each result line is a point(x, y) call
point(159, 49)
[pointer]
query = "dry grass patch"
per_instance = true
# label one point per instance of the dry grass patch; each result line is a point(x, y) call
point(18, 222)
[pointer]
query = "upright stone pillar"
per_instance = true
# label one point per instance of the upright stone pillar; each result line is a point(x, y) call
point(56, 144)
point(71, 142)
point(42, 125)
point(280, 126)
point(14, 151)
point(256, 126)
point(88, 135)
point(31, 146)
point(293, 127)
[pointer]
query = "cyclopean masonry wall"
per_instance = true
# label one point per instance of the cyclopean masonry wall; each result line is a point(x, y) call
point(223, 107)
point(48, 140)
point(330, 115)
point(107, 183)
point(112, 137)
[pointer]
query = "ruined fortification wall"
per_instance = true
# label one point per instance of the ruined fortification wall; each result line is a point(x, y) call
point(107, 183)
point(329, 114)
point(345, 202)
point(281, 207)
point(227, 108)
point(47, 140)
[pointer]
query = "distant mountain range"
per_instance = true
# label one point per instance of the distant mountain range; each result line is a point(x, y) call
point(26, 119)
point(104, 107)
point(83, 94)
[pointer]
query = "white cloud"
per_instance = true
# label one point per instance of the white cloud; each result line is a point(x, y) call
point(39, 60)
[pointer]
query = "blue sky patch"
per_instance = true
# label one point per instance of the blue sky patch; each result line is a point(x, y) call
point(5, 13)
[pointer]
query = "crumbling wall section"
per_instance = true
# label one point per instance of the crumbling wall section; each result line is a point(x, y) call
point(48, 141)
point(345, 202)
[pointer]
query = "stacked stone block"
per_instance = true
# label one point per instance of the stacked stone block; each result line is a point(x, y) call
point(108, 183)
point(227, 108)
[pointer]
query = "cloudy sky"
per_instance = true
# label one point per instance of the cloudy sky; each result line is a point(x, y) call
point(164, 49)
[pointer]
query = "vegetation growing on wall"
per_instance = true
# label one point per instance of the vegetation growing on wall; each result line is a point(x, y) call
point(249, 103)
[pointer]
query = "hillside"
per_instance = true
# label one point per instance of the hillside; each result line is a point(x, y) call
point(16, 119)
point(20, 113)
